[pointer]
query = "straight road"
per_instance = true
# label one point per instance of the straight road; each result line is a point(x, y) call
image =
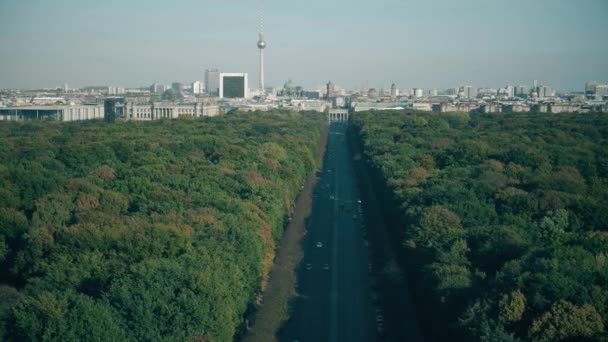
point(333, 301)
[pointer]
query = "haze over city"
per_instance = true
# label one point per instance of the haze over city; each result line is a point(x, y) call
point(428, 44)
point(289, 171)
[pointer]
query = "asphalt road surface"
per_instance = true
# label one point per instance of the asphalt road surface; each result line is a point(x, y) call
point(333, 301)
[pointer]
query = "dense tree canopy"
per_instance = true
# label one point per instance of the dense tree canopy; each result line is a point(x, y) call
point(503, 220)
point(144, 231)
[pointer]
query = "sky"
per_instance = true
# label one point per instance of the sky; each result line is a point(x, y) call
point(355, 44)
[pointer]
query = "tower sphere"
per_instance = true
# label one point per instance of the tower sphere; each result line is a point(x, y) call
point(261, 44)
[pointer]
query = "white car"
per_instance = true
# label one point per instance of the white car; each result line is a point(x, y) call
point(319, 244)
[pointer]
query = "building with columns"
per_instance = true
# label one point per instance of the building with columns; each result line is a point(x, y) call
point(163, 110)
point(53, 113)
point(337, 115)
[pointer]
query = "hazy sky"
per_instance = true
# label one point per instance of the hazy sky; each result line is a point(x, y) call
point(419, 43)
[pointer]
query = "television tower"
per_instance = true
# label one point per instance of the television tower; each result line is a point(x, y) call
point(261, 47)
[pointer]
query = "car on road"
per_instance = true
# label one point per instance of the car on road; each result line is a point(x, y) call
point(326, 267)
point(331, 197)
point(319, 244)
point(380, 329)
point(308, 267)
point(359, 201)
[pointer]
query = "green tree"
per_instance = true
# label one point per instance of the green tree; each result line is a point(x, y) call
point(567, 321)
point(511, 307)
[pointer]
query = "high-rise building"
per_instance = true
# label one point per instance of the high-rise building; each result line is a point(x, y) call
point(522, 91)
point(212, 82)
point(261, 47)
point(469, 92)
point(233, 86)
point(418, 92)
point(394, 91)
point(545, 91)
point(510, 91)
point(197, 87)
point(331, 91)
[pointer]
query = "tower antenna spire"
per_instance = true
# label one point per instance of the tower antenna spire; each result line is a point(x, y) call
point(261, 47)
point(261, 28)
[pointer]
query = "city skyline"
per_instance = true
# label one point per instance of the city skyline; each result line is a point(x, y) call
point(354, 44)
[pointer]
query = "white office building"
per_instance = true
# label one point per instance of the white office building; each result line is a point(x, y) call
point(197, 87)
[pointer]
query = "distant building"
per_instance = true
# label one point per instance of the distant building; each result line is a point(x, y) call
point(556, 108)
point(418, 92)
point(212, 82)
point(53, 113)
point(490, 108)
point(113, 108)
point(365, 106)
point(197, 87)
point(48, 100)
point(522, 91)
point(545, 91)
point(331, 90)
point(164, 110)
point(510, 91)
point(115, 90)
point(601, 91)
point(483, 92)
point(314, 105)
point(157, 88)
point(445, 107)
point(469, 92)
point(451, 91)
point(539, 108)
point(339, 102)
point(233, 86)
point(515, 108)
point(312, 95)
point(394, 91)
point(177, 86)
point(591, 87)
point(422, 106)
